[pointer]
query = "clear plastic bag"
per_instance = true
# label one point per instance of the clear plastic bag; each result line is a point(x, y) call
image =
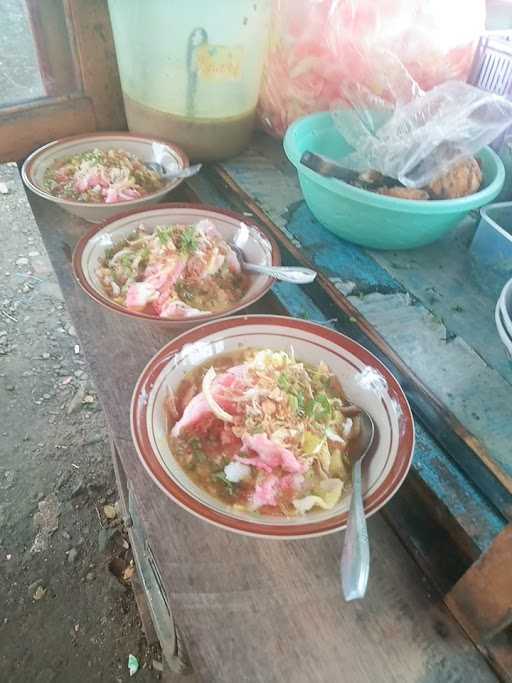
point(319, 47)
point(421, 135)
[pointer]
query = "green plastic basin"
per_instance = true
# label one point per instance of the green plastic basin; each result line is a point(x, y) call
point(370, 219)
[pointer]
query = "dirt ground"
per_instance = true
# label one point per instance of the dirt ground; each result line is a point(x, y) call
point(64, 616)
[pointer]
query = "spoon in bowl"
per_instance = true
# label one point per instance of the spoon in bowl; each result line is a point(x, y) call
point(295, 275)
point(171, 174)
point(355, 556)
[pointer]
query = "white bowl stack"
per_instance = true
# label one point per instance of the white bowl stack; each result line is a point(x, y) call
point(503, 317)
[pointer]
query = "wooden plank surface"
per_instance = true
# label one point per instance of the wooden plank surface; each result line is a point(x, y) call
point(440, 277)
point(443, 359)
point(28, 126)
point(466, 514)
point(253, 610)
point(483, 612)
point(483, 425)
point(447, 429)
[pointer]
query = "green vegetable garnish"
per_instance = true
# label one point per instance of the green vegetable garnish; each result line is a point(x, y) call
point(164, 235)
point(301, 401)
point(184, 293)
point(295, 397)
point(325, 403)
point(319, 408)
point(283, 382)
point(309, 407)
point(197, 451)
point(127, 260)
point(293, 403)
point(189, 240)
point(230, 486)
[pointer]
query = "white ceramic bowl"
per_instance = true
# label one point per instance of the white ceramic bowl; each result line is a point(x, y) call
point(260, 249)
point(505, 304)
point(503, 318)
point(35, 166)
point(507, 341)
point(366, 381)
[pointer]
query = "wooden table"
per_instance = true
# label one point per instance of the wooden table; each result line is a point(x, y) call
point(257, 610)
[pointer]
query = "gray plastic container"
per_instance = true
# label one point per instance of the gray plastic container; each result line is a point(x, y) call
point(491, 248)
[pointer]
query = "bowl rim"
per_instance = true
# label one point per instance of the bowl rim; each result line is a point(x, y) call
point(484, 216)
point(104, 301)
point(502, 306)
point(440, 206)
point(505, 338)
point(31, 161)
point(140, 436)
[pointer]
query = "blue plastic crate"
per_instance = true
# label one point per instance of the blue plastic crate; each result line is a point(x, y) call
point(492, 71)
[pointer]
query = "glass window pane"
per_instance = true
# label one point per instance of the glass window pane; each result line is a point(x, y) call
point(20, 78)
point(35, 55)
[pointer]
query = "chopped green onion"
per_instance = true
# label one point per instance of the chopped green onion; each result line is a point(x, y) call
point(189, 240)
point(127, 260)
point(309, 407)
point(230, 486)
point(300, 400)
point(164, 235)
point(197, 451)
point(319, 408)
point(283, 382)
point(293, 403)
point(325, 403)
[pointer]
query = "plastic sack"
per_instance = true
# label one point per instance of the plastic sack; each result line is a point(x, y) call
point(317, 47)
point(416, 141)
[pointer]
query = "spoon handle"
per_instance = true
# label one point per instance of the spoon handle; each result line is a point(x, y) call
point(355, 557)
point(299, 276)
point(172, 174)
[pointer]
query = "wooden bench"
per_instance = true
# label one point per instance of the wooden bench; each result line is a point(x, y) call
point(239, 609)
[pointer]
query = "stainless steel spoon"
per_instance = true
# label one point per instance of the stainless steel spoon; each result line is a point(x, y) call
point(296, 275)
point(355, 557)
point(328, 167)
point(179, 173)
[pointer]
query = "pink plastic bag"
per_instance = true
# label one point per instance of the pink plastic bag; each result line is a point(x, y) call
point(318, 47)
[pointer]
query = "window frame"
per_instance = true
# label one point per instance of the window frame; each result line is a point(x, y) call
point(92, 99)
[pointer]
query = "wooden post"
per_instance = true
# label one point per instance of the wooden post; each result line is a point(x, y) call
point(92, 32)
point(482, 599)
